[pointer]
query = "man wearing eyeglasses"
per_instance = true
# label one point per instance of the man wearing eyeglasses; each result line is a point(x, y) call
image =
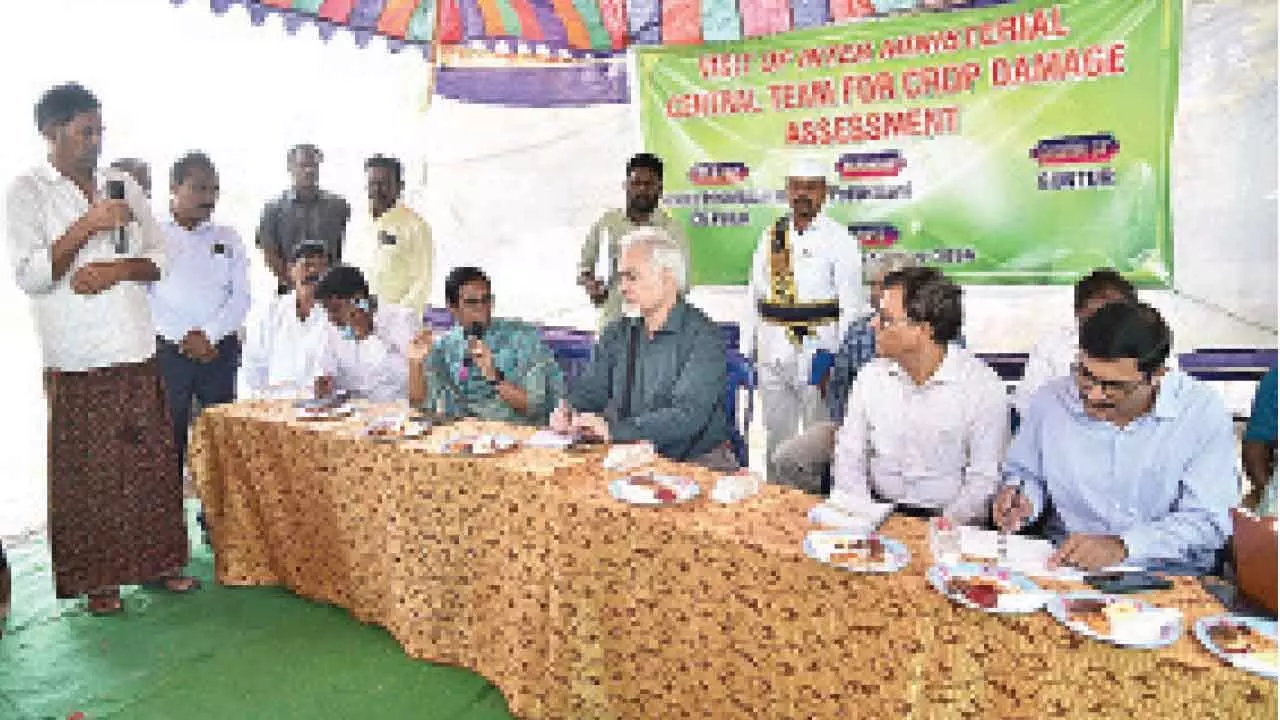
point(1055, 353)
point(1132, 463)
point(926, 422)
point(483, 367)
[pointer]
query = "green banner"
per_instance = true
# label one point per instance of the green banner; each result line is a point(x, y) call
point(1020, 142)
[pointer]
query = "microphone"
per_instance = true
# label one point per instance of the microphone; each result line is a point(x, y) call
point(474, 331)
point(115, 191)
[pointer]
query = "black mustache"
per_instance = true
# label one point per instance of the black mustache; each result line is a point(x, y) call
point(311, 279)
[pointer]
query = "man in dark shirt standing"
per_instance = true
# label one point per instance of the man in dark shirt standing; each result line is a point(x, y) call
point(658, 373)
point(304, 214)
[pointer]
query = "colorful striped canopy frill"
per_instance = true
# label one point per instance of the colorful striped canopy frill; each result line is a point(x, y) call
point(585, 26)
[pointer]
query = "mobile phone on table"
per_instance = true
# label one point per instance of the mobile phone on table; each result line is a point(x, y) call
point(1120, 583)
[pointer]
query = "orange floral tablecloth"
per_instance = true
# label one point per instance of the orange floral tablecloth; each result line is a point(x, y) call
point(524, 569)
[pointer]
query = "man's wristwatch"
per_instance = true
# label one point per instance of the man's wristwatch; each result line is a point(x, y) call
point(498, 378)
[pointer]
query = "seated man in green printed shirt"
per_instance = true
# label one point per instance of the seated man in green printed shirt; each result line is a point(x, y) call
point(483, 367)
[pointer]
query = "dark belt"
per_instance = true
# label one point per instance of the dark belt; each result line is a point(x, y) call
point(799, 318)
point(809, 314)
point(912, 511)
point(228, 340)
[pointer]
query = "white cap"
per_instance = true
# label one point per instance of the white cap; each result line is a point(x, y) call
point(807, 167)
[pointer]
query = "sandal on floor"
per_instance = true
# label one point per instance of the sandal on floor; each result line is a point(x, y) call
point(106, 603)
point(178, 584)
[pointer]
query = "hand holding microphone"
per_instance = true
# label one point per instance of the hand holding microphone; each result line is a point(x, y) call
point(107, 214)
point(115, 191)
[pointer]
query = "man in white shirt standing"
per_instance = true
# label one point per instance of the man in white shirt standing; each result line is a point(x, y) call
point(927, 421)
point(1055, 353)
point(201, 302)
point(806, 284)
point(84, 258)
point(283, 344)
point(367, 348)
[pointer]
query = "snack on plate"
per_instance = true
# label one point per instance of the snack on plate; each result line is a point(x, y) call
point(662, 492)
point(1091, 612)
point(982, 591)
point(1242, 640)
point(858, 552)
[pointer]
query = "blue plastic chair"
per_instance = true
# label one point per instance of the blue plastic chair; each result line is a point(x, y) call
point(740, 375)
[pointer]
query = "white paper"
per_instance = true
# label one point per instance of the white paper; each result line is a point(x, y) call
point(629, 457)
point(1027, 555)
point(735, 488)
point(549, 439)
point(860, 517)
point(603, 265)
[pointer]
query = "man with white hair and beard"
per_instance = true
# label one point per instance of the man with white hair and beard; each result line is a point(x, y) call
point(806, 284)
point(658, 373)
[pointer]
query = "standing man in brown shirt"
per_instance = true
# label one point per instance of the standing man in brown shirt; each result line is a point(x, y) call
point(303, 214)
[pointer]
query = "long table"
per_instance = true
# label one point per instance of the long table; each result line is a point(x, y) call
point(522, 568)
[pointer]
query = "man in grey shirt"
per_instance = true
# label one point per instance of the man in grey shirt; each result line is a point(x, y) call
point(657, 374)
point(304, 214)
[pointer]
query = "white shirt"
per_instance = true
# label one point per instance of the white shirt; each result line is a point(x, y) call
point(827, 264)
point(207, 284)
point(1051, 357)
point(937, 445)
point(282, 354)
point(79, 332)
point(376, 367)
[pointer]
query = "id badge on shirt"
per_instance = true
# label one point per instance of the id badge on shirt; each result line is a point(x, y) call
point(386, 238)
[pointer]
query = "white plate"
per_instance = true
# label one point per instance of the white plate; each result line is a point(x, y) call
point(1029, 599)
point(1170, 629)
point(684, 488)
point(821, 543)
point(408, 431)
point(335, 413)
point(1248, 663)
point(495, 443)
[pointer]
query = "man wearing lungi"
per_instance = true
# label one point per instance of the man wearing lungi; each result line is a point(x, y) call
point(85, 257)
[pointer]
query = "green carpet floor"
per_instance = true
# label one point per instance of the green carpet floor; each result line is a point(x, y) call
point(224, 653)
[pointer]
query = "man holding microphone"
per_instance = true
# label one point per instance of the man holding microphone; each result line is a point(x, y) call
point(115, 500)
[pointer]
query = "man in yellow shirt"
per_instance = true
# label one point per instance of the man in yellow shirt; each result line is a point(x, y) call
point(601, 252)
point(400, 266)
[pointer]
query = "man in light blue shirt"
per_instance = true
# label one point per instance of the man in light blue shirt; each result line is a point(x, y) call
point(1135, 463)
point(201, 302)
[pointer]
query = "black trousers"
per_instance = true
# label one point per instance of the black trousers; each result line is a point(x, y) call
point(186, 380)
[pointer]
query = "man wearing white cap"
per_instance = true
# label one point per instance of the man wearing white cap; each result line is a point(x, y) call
point(806, 284)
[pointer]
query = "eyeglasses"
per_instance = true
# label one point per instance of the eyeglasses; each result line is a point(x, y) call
point(886, 321)
point(1110, 388)
point(481, 301)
